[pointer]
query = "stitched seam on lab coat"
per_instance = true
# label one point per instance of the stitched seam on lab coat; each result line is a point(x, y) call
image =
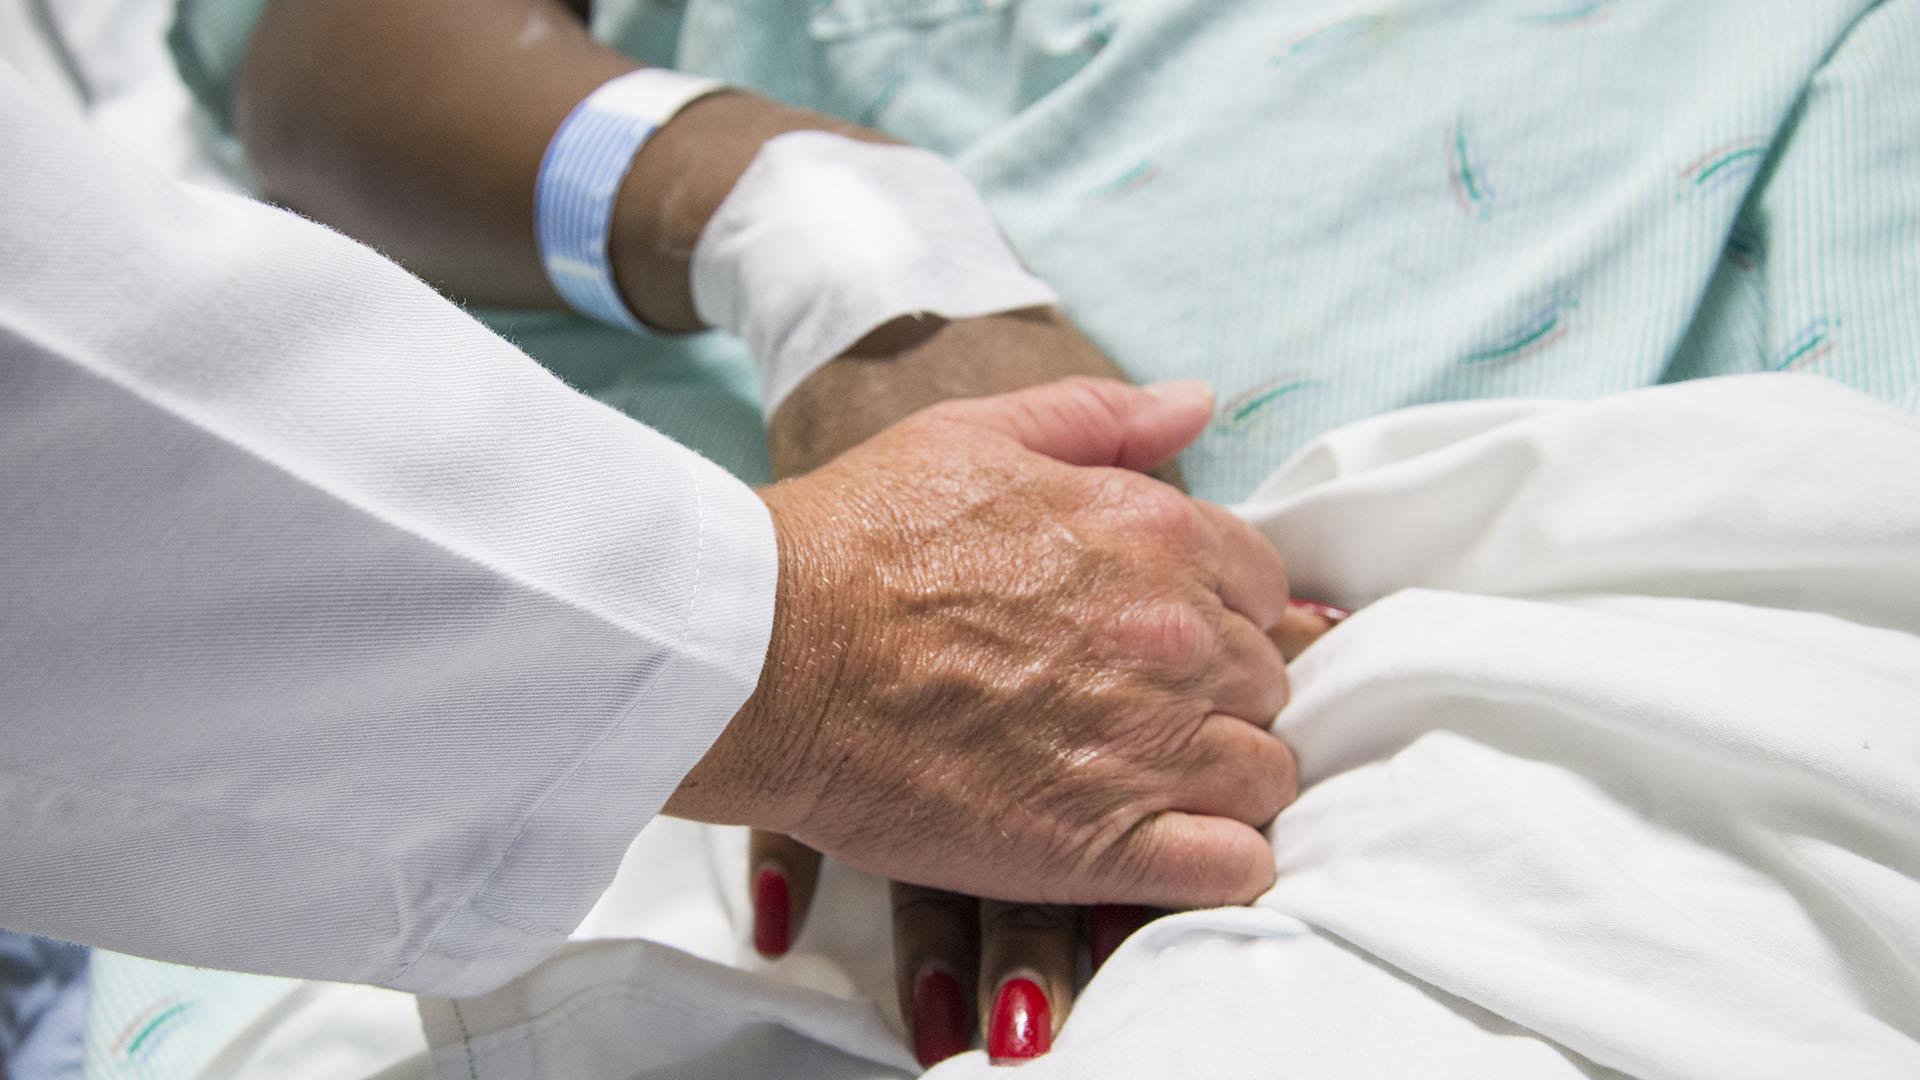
point(466, 1041)
point(475, 896)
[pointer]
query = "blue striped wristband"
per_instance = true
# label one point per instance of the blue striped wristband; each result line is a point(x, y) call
point(581, 173)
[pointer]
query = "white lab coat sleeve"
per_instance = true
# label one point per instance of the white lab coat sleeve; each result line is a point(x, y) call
point(337, 638)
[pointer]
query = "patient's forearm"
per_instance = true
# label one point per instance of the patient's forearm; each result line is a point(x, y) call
point(911, 364)
point(419, 128)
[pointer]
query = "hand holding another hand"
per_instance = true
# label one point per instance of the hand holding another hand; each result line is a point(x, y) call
point(1006, 663)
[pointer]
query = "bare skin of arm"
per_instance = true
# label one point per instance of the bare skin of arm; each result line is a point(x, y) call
point(418, 127)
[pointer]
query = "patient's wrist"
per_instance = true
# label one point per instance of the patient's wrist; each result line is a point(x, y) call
point(682, 175)
point(802, 236)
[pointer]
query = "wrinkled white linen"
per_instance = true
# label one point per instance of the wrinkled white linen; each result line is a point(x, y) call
point(1618, 771)
point(337, 637)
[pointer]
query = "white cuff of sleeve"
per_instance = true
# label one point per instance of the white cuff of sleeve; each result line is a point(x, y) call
point(825, 239)
point(530, 903)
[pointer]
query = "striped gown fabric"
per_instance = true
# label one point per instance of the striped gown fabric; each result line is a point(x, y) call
point(1335, 210)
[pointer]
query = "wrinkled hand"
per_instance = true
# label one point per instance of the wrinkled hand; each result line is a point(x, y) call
point(950, 949)
point(940, 937)
point(1005, 664)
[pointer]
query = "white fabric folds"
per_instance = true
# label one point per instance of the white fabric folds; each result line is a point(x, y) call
point(825, 239)
point(337, 637)
point(1615, 772)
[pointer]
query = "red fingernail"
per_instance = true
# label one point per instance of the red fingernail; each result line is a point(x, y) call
point(1326, 611)
point(939, 1017)
point(1022, 1025)
point(1110, 924)
point(772, 912)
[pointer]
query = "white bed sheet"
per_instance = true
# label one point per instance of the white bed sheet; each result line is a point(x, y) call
point(1617, 771)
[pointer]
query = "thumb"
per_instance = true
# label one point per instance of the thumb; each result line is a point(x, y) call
point(1086, 421)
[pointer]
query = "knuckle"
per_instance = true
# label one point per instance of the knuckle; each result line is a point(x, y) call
point(1169, 638)
point(1111, 493)
point(1081, 404)
point(1162, 747)
point(1099, 398)
point(1160, 514)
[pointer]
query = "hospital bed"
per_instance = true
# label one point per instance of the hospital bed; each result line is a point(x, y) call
point(1617, 771)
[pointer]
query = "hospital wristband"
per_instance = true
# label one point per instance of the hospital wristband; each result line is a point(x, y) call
point(580, 176)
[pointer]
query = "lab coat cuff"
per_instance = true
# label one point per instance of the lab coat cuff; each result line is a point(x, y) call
point(518, 917)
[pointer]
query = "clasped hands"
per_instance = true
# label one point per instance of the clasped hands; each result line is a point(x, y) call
point(1007, 663)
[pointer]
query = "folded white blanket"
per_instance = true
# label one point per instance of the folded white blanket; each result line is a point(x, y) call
point(1617, 770)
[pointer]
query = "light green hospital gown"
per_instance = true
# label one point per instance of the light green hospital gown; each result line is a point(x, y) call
point(1329, 210)
point(1333, 210)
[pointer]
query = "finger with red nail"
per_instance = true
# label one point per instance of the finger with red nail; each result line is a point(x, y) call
point(936, 955)
point(1020, 1027)
point(781, 877)
point(1028, 954)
